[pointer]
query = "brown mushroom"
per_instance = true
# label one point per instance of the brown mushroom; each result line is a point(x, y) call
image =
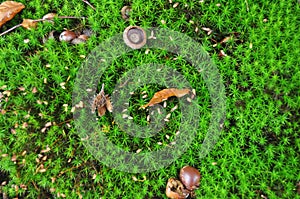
point(190, 177)
point(175, 189)
point(135, 37)
point(125, 11)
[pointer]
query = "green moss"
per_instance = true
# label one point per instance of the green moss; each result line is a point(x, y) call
point(258, 150)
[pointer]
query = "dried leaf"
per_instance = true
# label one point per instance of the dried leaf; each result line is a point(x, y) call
point(45, 150)
point(226, 39)
point(101, 110)
point(49, 17)
point(102, 103)
point(165, 94)
point(222, 54)
point(8, 10)
point(29, 23)
point(99, 100)
point(108, 104)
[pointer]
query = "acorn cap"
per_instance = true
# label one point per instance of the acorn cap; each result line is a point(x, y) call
point(135, 37)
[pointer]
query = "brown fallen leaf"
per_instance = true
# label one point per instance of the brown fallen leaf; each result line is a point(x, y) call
point(165, 94)
point(108, 104)
point(8, 9)
point(29, 23)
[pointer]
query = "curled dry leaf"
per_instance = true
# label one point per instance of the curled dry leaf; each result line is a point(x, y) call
point(28, 24)
point(8, 10)
point(83, 37)
point(102, 103)
point(108, 104)
point(165, 94)
point(49, 17)
point(78, 41)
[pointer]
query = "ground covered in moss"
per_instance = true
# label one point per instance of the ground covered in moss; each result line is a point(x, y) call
point(255, 46)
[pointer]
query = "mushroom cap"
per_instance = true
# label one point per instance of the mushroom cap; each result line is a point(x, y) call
point(190, 177)
point(135, 37)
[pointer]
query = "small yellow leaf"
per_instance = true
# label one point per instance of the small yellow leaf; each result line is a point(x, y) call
point(29, 23)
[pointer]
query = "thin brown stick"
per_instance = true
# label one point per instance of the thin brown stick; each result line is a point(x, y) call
point(68, 120)
point(55, 141)
point(70, 17)
point(70, 169)
point(11, 29)
point(85, 1)
point(35, 186)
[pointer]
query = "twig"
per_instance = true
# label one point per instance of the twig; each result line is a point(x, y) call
point(70, 17)
point(85, 1)
point(59, 124)
point(35, 186)
point(11, 29)
point(70, 169)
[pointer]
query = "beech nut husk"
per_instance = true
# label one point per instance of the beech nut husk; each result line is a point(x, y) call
point(67, 36)
point(190, 177)
point(175, 189)
point(135, 37)
point(125, 11)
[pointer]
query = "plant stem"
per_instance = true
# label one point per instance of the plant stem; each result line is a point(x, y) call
point(85, 1)
point(70, 17)
point(11, 29)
